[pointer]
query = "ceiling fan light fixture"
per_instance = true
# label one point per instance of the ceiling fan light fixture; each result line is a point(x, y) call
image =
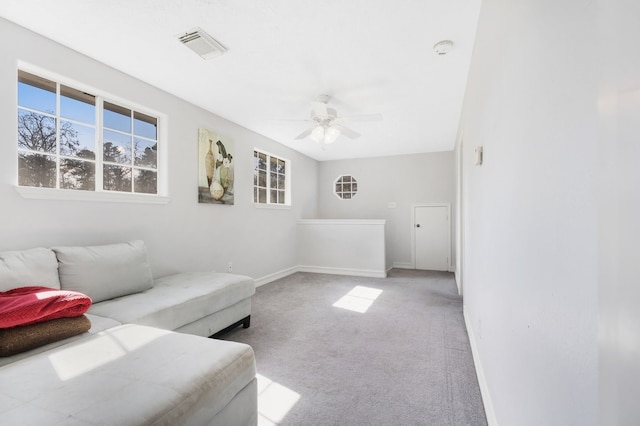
point(317, 134)
point(324, 135)
point(331, 134)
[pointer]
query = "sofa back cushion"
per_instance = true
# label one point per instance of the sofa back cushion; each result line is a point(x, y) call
point(25, 268)
point(105, 272)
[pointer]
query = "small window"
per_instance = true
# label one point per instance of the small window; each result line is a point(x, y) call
point(345, 187)
point(70, 139)
point(270, 179)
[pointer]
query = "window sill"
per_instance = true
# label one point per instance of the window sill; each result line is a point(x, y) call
point(75, 195)
point(272, 206)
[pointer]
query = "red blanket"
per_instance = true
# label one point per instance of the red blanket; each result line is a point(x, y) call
point(30, 305)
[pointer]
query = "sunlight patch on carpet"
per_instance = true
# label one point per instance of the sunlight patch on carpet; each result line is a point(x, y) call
point(359, 299)
point(274, 401)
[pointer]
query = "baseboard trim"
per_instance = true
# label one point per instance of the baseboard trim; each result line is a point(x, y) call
point(403, 265)
point(482, 381)
point(343, 271)
point(275, 276)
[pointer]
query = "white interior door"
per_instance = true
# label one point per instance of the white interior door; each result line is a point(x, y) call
point(432, 236)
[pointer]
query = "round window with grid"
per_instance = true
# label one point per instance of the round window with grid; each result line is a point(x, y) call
point(345, 187)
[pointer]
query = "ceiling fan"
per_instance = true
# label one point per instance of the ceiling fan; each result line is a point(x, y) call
point(327, 126)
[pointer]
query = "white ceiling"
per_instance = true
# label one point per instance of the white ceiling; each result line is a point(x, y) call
point(371, 56)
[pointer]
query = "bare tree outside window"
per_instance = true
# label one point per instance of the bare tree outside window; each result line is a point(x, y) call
point(345, 187)
point(37, 132)
point(58, 148)
point(270, 179)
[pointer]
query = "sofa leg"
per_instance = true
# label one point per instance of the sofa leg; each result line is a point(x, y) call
point(246, 322)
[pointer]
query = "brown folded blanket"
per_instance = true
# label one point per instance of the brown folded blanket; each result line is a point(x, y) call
point(22, 338)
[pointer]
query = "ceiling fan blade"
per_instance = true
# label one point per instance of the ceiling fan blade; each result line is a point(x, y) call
point(348, 132)
point(304, 134)
point(292, 120)
point(364, 117)
point(319, 109)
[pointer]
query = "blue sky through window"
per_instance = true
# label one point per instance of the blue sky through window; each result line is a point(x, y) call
point(77, 110)
point(35, 98)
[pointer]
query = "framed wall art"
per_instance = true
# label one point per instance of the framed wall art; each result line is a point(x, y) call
point(215, 168)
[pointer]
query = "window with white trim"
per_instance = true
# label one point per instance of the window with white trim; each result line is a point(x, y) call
point(70, 139)
point(271, 179)
point(345, 187)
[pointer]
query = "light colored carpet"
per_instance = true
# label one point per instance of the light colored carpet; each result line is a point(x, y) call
point(405, 361)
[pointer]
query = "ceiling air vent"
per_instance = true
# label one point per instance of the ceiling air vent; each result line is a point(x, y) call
point(202, 43)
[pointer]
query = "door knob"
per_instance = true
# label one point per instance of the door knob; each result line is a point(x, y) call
point(418, 225)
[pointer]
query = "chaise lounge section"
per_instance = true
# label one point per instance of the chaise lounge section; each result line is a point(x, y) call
point(145, 358)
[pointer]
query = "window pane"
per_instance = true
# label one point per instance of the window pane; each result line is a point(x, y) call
point(36, 132)
point(117, 117)
point(116, 178)
point(145, 125)
point(77, 140)
point(269, 179)
point(146, 181)
point(346, 187)
point(36, 170)
point(77, 174)
point(77, 105)
point(36, 93)
point(146, 153)
point(59, 147)
point(117, 147)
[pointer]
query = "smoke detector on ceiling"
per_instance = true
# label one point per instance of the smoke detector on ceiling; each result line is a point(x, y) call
point(443, 47)
point(202, 43)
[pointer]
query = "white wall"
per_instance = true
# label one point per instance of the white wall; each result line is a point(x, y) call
point(530, 212)
point(619, 212)
point(182, 235)
point(342, 246)
point(403, 179)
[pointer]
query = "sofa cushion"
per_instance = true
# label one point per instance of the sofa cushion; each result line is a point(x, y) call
point(105, 272)
point(179, 299)
point(36, 266)
point(111, 378)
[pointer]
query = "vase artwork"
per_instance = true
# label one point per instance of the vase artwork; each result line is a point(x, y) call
point(215, 170)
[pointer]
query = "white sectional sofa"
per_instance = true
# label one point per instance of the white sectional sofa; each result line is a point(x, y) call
point(145, 358)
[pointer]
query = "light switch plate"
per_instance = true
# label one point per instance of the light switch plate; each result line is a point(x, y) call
point(479, 155)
